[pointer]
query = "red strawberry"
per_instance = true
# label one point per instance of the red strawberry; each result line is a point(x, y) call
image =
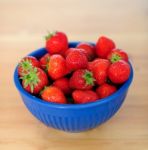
point(76, 60)
point(56, 43)
point(103, 46)
point(53, 94)
point(35, 80)
point(116, 55)
point(105, 90)
point(82, 79)
point(44, 60)
point(74, 49)
point(26, 64)
point(92, 64)
point(57, 67)
point(119, 72)
point(63, 84)
point(84, 96)
point(99, 67)
point(89, 50)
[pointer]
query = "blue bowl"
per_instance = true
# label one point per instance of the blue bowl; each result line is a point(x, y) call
point(72, 117)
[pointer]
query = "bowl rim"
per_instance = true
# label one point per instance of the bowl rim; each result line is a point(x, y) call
point(69, 106)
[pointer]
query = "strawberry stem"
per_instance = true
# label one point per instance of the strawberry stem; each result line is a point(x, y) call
point(26, 65)
point(31, 79)
point(49, 35)
point(115, 58)
point(88, 76)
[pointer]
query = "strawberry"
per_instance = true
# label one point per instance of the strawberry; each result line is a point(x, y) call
point(82, 79)
point(53, 94)
point(105, 90)
point(119, 72)
point(44, 60)
point(56, 43)
point(74, 49)
point(103, 46)
point(26, 64)
point(116, 55)
point(84, 96)
point(76, 60)
point(57, 67)
point(92, 64)
point(99, 67)
point(35, 80)
point(63, 84)
point(89, 50)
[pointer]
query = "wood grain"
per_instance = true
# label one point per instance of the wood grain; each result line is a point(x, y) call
point(22, 27)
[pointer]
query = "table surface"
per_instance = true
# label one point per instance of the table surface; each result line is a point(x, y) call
point(22, 28)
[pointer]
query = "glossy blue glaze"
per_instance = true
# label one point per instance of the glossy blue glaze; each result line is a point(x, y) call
point(72, 117)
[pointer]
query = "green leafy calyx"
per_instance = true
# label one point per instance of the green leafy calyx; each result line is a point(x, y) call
point(49, 35)
point(115, 58)
point(88, 76)
point(31, 79)
point(26, 65)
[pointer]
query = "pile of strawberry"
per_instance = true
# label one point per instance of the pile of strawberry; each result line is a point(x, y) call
point(81, 74)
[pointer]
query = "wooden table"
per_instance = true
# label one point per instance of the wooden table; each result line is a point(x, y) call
point(22, 27)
